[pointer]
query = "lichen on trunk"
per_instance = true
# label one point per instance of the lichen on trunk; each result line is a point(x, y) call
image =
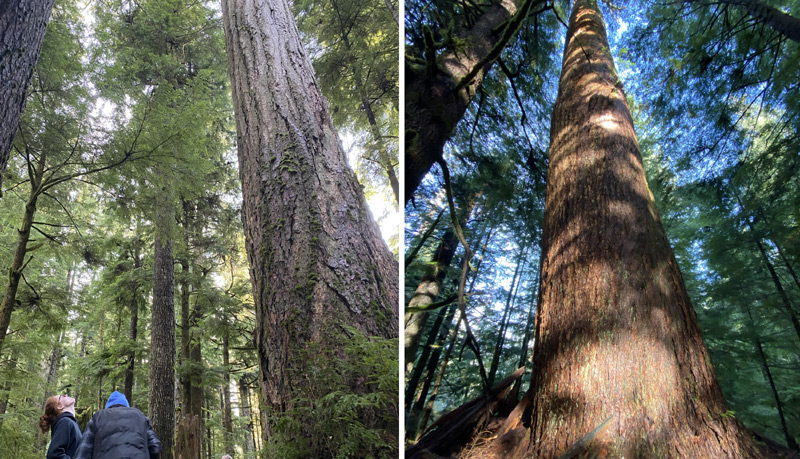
point(317, 261)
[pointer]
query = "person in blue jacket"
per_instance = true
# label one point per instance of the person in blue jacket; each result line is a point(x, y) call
point(119, 431)
point(59, 419)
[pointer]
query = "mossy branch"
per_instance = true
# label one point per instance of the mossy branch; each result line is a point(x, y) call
point(512, 25)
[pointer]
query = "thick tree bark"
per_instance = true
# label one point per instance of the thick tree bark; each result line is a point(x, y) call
point(316, 257)
point(162, 345)
point(438, 92)
point(617, 336)
point(22, 27)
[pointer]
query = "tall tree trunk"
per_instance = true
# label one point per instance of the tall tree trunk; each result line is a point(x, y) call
point(501, 335)
point(438, 92)
point(18, 263)
point(768, 377)
point(787, 305)
point(412, 255)
point(426, 413)
point(617, 336)
point(430, 284)
point(316, 257)
point(227, 423)
point(5, 391)
point(22, 27)
point(419, 369)
point(244, 411)
point(162, 346)
point(428, 366)
point(523, 358)
point(133, 331)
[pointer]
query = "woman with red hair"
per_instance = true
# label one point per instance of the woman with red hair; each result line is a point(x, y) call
point(59, 418)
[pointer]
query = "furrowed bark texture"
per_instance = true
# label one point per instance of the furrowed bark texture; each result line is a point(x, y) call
point(22, 27)
point(316, 257)
point(433, 103)
point(161, 409)
point(616, 333)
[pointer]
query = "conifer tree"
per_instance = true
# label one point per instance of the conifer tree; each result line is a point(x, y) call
point(317, 261)
point(617, 338)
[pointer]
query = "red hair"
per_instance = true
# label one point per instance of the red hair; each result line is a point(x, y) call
point(51, 412)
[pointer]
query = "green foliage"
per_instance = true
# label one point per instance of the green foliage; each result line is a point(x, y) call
point(349, 392)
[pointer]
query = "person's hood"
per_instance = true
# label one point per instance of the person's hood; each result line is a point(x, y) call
point(117, 398)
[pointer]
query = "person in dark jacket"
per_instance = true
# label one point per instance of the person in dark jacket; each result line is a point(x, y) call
point(59, 419)
point(119, 431)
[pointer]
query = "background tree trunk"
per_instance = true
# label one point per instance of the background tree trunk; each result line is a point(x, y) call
point(316, 257)
point(22, 27)
point(617, 336)
point(162, 345)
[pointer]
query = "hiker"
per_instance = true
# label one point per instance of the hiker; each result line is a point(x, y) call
point(59, 419)
point(119, 431)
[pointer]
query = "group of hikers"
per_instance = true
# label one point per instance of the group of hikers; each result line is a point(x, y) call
point(117, 431)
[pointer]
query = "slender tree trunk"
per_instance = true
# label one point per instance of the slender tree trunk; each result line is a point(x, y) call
point(317, 260)
point(392, 10)
point(768, 377)
point(227, 423)
point(18, 263)
point(5, 392)
point(162, 346)
point(415, 405)
point(420, 367)
point(426, 413)
point(523, 358)
point(429, 286)
point(425, 236)
point(245, 412)
point(384, 158)
point(132, 333)
point(22, 27)
point(787, 305)
point(501, 335)
point(617, 336)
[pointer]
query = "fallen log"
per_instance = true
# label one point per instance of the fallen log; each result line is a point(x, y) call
point(453, 430)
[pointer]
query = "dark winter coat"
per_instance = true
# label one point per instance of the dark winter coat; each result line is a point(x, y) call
point(119, 432)
point(65, 436)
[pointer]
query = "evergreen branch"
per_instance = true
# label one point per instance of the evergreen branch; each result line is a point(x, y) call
point(52, 238)
point(69, 214)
